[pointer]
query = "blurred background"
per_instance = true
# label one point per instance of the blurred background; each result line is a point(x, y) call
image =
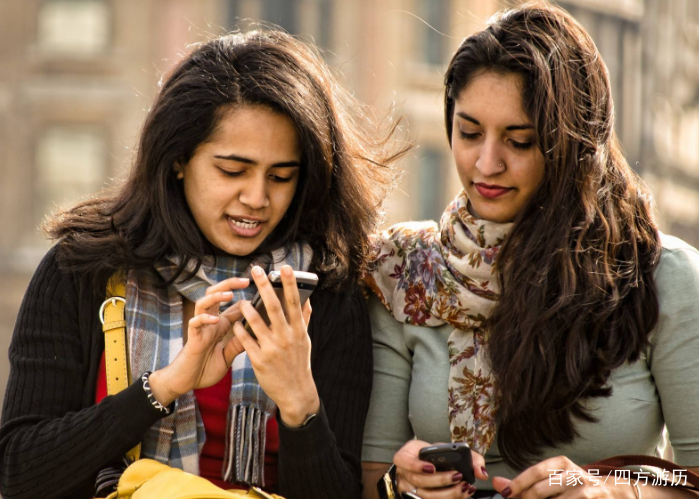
point(77, 78)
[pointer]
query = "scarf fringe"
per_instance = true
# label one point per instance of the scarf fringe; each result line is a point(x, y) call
point(244, 458)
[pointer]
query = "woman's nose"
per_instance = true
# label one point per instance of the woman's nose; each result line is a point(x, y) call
point(254, 193)
point(490, 160)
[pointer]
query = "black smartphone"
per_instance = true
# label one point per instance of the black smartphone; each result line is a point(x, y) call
point(450, 457)
point(306, 282)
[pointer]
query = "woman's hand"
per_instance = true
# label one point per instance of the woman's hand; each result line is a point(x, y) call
point(559, 476)
point(412, 474)
point(281, 356)
point(210, 348)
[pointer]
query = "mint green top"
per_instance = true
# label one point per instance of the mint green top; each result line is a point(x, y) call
point(411, 370)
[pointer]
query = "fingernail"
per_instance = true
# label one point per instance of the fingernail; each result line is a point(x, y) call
point(464, 487)
point(257, 271)
point(472, 489)
point(428, 469)
point(506, 493)
point(484, 471)
point(244, 279)
point(228, 293)
point(286, 270)
point(456, 477)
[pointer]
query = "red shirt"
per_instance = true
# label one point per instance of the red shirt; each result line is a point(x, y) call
point(213, 407)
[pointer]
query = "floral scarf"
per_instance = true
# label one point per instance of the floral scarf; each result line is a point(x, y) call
point(428, 275)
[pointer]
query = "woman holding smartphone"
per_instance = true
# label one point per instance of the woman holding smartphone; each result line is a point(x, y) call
point(546, 322)
point(249, 161)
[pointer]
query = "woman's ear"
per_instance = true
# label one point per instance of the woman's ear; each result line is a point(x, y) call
point(179, 170)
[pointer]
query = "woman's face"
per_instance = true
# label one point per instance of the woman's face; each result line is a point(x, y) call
point(239, 184)
point(493, 142)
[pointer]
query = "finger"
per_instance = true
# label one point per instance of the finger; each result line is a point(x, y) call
point(247, 341)
point(307, 311)
point(501, 484)
point(535, 474)
point(545, 489)
point(198, 321)
point(210, 303)
point(233, 347)
point(479, 466)
point(233, 313)
point(270, 299)
point(291, 295)
point(456, 491)
point(432, 480)
point(407, 458)
point(255, 321)
point(228, 284)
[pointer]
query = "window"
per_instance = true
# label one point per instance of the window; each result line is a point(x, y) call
point(70, 164)
point(434, 13)
point(283, 13)
point(234, 13)
point(73, 26)
point(618, 40)
point(325, 20)
point(431, 183)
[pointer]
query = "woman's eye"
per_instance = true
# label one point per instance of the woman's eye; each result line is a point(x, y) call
point(279, 179)
point(229, 173)
point(522, 145)
point(467, 136)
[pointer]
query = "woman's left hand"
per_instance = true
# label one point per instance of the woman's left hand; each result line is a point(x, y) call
point(281, 356)
point(559, 476)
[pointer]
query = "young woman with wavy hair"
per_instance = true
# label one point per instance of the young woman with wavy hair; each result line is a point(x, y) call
point(252, 158)
point(564, 325)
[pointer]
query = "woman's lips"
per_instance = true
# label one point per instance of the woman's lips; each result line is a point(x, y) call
point(492, 191)
point(244, 231)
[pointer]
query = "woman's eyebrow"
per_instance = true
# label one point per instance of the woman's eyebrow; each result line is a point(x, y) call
point(241, 159)
point(525, 126)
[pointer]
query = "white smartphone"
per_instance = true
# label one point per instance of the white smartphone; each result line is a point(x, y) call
point(306, 282)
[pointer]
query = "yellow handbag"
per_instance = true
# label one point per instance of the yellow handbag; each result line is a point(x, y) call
point(146, 478)
point(149, 479)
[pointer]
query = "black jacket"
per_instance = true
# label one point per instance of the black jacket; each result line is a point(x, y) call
point(54, 439)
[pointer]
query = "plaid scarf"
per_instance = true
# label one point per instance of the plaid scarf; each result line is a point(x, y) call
point(429, 275)
point(154, 322)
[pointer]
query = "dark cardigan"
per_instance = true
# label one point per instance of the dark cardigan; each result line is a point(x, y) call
point(54, 439)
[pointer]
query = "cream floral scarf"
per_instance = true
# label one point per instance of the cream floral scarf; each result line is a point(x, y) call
point(429, 275)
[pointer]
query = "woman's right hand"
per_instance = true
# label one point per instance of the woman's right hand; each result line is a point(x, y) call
point(210, 347)
point(412, 474)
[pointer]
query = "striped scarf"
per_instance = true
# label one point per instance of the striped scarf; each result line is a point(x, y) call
point(154, 322)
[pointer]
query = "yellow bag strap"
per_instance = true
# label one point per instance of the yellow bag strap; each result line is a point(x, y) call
point(113, 317)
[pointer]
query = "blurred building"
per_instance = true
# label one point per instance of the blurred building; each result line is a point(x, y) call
point(77, 77)
point(652, 50)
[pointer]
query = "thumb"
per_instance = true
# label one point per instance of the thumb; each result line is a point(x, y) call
point(232, 349)
point(479, 466)
point(500, 483)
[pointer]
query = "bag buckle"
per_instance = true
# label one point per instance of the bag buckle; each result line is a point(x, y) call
point(108, 301)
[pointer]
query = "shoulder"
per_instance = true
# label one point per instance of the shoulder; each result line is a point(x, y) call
point(404, 235)
point(677, 284)
point(678, 268)
point(49, 273)
point(345, 309)
point(51, 281)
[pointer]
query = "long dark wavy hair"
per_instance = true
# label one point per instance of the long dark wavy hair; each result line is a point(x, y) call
point(577, 295)
point(346, 163)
